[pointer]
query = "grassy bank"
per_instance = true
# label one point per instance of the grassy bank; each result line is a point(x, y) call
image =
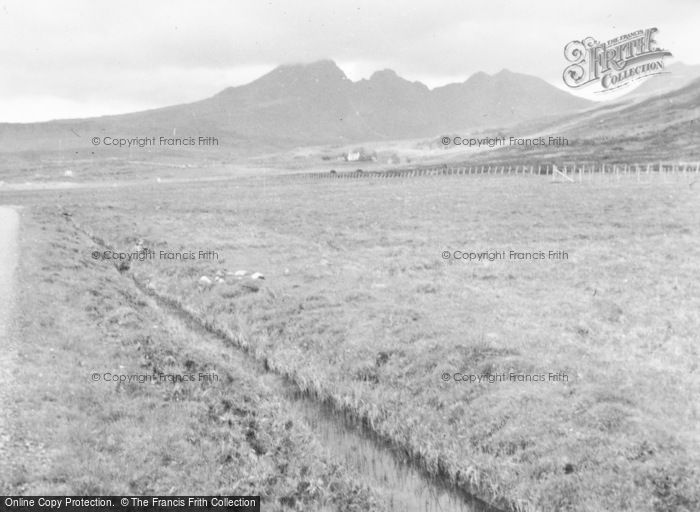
point(359, 306)
point(73, 435)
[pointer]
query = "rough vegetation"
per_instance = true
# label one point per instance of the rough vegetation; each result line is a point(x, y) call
point(359, 307)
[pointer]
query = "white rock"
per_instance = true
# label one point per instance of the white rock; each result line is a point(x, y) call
point(257, 275)
point(240, 273)
point(68, 173)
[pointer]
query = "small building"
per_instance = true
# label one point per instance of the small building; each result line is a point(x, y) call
point(360, 155)
point(352, 156)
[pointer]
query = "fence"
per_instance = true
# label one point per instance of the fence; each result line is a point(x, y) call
point(566, 172)
point(642, 173)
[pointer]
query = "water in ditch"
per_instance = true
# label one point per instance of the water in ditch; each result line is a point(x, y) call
point(402, 485)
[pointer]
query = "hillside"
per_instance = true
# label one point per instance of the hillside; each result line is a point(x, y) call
point(665, 126)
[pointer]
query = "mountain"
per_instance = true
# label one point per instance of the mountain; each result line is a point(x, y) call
point(674, 115)
point(310, 104)
point(503, 99)
point(389, 105)
point(675, 76)
point(661, 127)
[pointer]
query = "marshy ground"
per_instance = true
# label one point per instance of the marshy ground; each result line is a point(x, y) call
point(360, 308)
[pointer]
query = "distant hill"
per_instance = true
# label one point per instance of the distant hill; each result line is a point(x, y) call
point(664, 126)
point(309, 104)
point(674, 77)
point(677, 110)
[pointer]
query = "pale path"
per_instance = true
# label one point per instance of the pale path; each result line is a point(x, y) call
point(9, 224)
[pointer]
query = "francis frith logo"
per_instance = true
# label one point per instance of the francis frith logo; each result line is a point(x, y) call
point(616, 63)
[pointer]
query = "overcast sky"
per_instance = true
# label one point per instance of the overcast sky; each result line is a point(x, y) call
point(83, 58)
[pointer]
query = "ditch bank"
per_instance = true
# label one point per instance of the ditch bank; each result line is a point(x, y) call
point(410, 479)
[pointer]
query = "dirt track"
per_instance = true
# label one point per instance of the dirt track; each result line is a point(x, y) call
point(9, 223)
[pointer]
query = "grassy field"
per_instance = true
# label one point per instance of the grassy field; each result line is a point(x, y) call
point(359, 307)
point(74, 435)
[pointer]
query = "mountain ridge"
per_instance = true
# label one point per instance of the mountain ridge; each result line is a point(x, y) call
point(316, 103)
